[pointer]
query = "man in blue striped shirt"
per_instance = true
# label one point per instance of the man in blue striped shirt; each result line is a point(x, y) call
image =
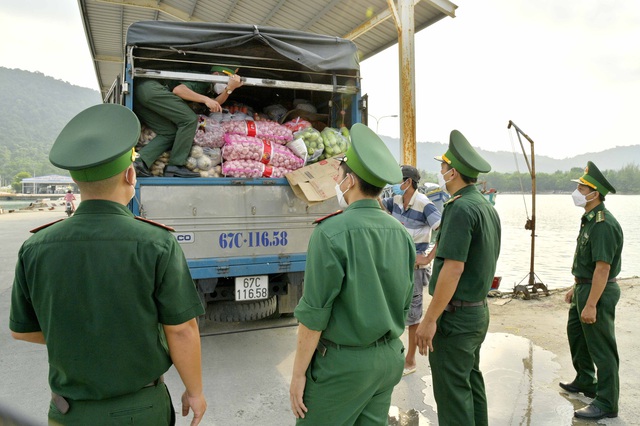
point(419, 216)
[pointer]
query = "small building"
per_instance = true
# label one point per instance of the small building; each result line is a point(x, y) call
point(51, 184)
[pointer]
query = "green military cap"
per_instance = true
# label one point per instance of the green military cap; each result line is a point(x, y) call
point(225, 70)
point(462, 157)
point(593, 178)
point(97, 143)
point(370, 159)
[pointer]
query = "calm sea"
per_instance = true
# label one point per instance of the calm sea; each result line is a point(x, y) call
point(8, 205)
point(557, 226)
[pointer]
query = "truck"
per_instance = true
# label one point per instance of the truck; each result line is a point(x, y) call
point(245, 239)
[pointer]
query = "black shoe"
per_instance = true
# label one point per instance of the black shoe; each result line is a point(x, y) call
point(593, 413)
point(179, 171)
point(572, 387)
point(141, 169)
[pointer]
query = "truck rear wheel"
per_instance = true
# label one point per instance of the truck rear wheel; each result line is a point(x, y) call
point(230, 311)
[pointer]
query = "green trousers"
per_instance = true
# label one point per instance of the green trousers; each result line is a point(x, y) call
point(170, 117)
point(458, 385)
point(150, 406)
point(352, 386)
point(594, 346)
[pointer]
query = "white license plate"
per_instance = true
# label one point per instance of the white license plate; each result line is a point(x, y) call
point(252, 288)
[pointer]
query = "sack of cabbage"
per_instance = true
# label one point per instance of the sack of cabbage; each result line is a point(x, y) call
point(335, 142)
point(325, 144)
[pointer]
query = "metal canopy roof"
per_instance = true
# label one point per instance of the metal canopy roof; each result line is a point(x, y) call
point(369, 23)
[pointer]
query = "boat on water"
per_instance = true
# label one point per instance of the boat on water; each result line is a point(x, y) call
point(490, 194)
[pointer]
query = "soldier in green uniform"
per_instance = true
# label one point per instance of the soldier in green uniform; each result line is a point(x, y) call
point(162, 105)
point(457, 318)
point(357, 293)
point(593, 298)
point(111, 296)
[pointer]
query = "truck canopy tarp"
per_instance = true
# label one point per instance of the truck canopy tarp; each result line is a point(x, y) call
point(316, 52)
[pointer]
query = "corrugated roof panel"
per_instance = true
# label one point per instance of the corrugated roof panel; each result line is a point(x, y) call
point(106, 21)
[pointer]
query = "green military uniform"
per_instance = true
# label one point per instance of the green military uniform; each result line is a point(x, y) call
point(600, 239)
point(169, 116)
point(470, 233)
point(358, 290)
point(99, 286)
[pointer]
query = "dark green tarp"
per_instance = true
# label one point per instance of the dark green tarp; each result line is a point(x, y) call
point(315, 52)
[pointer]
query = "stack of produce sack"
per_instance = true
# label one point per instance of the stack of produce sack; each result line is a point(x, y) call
point(249, 156)
point(146, 135)
point(244, 144)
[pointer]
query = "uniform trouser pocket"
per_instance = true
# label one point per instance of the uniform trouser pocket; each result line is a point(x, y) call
point(149, 406)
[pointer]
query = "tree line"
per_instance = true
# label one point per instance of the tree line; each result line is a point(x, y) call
point(625, 180)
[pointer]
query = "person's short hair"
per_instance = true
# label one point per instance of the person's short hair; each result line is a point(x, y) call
point(600, 197)
point(365, 187)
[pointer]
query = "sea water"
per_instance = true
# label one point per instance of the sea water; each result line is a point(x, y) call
point(557, 227)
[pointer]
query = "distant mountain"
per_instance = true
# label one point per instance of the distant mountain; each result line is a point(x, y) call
point(504, 162)
point(34, 108)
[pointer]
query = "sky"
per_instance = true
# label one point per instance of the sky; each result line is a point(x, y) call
point(566, 72)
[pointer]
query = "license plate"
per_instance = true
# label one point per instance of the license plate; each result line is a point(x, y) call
point(252, 288)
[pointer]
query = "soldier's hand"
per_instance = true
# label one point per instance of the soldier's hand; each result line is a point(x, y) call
point(234, 82)
point(196, 403)
point(569, 296)
point(213, 105)
point(296, 391)
point(588, 314)
point(424, 336)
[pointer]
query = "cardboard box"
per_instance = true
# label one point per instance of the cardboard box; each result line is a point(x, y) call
point(315, 183)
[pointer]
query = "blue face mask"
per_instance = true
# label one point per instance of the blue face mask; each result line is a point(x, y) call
point(396, 189)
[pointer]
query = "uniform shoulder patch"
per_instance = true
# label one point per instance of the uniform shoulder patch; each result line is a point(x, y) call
point(452, 199)
point(321, 219)
point(600, 216)
point(158, 224)
point(40, 228)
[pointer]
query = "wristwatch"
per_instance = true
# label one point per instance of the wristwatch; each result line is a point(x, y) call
point(229, 91)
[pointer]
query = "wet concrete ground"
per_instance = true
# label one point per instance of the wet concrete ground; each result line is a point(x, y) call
point(519, 380)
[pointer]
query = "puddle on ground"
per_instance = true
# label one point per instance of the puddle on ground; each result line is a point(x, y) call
point(521, 383)
point(409, 418)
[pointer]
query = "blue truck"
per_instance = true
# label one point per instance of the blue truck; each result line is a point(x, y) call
point(245, 239)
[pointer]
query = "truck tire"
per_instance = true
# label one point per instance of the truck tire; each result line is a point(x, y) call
point(230, 311)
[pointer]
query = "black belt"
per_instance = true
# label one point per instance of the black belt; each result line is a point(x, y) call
point(454, 305)
point(323, 344)
point(579, 280)
point(62, 404)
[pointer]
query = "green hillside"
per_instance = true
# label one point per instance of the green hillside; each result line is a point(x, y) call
point(33, 110)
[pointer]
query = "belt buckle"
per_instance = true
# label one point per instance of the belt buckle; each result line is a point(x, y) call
point(450, 308)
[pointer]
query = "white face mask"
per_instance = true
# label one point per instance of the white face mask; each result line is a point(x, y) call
point(580, 200)
point(443, 183)
point(219, 88)
point(341, 201)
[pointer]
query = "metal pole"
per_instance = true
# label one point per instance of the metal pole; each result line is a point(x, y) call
point(533, 212)
point(532, 172)
point(378, 119)
point(406, 32)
